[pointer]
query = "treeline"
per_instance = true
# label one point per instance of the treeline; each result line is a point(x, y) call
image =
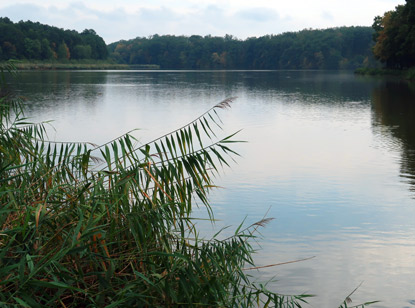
point(395, 36)
point(335, 48)
point(32, 40)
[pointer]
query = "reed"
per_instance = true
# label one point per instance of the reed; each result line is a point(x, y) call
point(83, 225)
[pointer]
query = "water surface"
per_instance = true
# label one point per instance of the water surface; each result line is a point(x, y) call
point(330, 156)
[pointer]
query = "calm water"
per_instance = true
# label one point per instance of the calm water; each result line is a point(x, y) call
point(330, 155)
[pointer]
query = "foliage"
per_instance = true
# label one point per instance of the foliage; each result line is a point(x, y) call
point(83, 225)
point(30, 40)
point(337, 48)
point(395, 36)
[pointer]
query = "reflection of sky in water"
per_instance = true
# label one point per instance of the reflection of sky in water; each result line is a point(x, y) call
point(314, 155)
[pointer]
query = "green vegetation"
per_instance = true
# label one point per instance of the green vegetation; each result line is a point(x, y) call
point(408, 74)
point(337, 48)
point(84, 64)
point(35, 41)
point(395, 42)
point(395, 37)
point(83, 225)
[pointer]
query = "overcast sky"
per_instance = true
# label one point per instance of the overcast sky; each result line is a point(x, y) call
point(127, 19)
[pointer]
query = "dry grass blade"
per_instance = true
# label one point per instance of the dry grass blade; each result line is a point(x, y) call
point(226, 103)
point(277, 264)
point(263, 222)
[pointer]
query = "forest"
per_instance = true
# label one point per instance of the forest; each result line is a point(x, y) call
point(335, 48)
point(390, 40)
point(33, 40)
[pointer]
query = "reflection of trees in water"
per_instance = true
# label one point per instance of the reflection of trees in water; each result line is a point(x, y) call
point(394, 108)
point(55, 89)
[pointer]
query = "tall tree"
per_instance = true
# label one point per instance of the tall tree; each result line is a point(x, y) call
point(395, 36)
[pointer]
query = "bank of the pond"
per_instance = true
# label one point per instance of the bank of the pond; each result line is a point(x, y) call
point(408, 74)
point(78, 65)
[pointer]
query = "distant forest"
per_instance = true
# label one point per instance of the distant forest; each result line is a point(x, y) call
point(336, 48)
point(32, 40)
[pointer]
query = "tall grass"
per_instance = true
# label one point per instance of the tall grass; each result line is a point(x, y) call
point(83, 225)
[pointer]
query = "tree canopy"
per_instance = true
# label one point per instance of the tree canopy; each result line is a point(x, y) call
point(33, 40)
point(335, 48)
point(395, 36)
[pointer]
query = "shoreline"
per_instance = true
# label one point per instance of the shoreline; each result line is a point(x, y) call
point(407, 74)
point(75, 65)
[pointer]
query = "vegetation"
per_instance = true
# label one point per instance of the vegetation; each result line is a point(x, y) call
point(83, 225)
point(84, 64)
point(35, 41)
point(337, 48)
point(395, 37)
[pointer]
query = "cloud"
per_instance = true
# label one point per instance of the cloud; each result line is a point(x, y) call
point(258, 14)
point(327, 16)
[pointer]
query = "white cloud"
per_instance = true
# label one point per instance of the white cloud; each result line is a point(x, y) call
point(125, 19)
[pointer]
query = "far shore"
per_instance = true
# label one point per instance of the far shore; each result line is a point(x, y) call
point(78, 65)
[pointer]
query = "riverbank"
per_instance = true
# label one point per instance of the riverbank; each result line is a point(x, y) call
point(408, 74)
point(78, 65)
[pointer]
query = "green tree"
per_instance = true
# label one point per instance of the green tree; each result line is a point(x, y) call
point(46, 51)
point(33, 48)
point(82, 52)
point(9, 50)
point(395, 36)
point(63, 52)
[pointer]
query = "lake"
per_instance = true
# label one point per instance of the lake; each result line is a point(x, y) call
point(329, 155)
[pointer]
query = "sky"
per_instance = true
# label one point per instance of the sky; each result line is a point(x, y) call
point(127, 19)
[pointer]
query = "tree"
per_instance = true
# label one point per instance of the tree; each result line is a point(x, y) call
point(82, 52)
point(9, 50)
point(395, 36)
point(26, 36)
point(46, 51)
point(63, 52)
point(33, 48)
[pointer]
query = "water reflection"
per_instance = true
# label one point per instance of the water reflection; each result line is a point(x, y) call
point(51, 90)
point(393, 107)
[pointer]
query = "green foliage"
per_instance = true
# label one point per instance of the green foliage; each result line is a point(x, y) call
point(82, 52)
point(46, 51)
point(33, 48)
point(338, 48)
point(63, 52)
point(395, 36)
point(83, 225)
point(29, 40)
